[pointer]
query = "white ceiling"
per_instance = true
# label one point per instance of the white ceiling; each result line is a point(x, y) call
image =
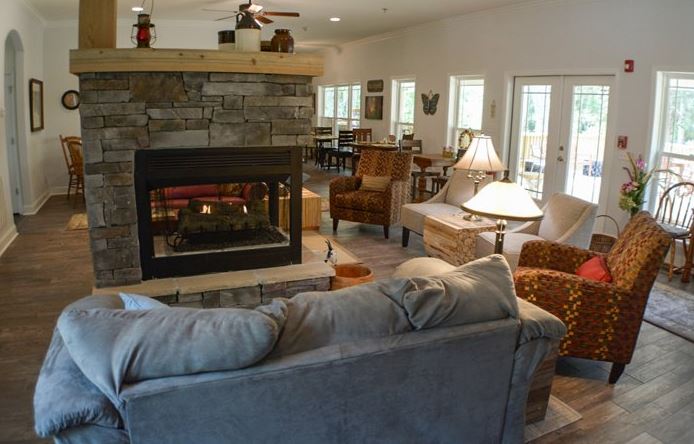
point(360, 18)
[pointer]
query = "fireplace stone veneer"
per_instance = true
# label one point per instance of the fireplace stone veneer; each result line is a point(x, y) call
point(125, 112)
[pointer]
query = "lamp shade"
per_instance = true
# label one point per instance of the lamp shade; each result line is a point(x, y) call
point(480, 156)
point(504, 199)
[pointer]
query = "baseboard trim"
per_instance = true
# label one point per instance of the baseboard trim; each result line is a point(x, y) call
point(31, 210)
point(59, 191)
point(7, 238)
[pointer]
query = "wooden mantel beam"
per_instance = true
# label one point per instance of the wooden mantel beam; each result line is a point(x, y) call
point(98, 24)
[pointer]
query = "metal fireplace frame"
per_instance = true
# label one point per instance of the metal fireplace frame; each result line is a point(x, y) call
point(172, 167)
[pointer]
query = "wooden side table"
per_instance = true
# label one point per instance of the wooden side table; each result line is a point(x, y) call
point(452, 238)
point(310, 211)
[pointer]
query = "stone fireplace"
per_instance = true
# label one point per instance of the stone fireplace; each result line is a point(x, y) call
point(123, 113)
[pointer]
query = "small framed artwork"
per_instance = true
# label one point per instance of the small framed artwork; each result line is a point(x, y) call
point(374, 86)
point(36, 104)
point(71, 99)
point(374, 108)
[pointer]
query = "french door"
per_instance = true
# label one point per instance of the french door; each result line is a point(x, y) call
point(560, 128)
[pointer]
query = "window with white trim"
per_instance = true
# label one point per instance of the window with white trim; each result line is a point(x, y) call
point(674, 124)
point(340, 106)
point(466, 106)
point(402, 114)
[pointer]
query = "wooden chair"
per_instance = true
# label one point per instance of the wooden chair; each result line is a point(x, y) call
point(603, 318)
point(408, 136)
point(72, 178)
point(77, 161)
point(415, 147)
point(320, 150)
point(359, 135)
point(675, 215)
point(344, 150)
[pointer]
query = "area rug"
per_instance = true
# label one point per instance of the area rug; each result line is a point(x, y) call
point(558, 415)
point(671, 309)
point(77, 222)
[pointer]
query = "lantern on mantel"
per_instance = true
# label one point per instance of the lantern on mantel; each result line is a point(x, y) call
point(144, 33)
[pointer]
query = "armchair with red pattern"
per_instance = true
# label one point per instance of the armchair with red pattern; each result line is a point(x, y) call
point(603, 319)
point(349, 202)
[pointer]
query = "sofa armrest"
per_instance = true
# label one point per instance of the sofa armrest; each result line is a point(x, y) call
point(553, 256)
point(532, 227)
point(537, 323)
point(344, 184)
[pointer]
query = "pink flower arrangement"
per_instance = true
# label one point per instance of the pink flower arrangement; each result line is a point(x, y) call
point(633, 191)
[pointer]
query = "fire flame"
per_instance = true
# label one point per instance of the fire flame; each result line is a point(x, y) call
point(206, 209)
point(245, 210)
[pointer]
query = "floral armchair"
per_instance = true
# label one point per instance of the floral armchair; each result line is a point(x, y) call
point(348, 202)
point(603, 319)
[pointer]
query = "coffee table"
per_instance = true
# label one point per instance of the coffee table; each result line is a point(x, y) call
point(452, 238)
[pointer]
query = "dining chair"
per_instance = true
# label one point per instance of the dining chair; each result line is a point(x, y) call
point(321, 149)
point(408, 136)
point(72, 178)
point(415, 147)
point(77, 161)
point(675, 214)
point(360, 135)
point(344, 150)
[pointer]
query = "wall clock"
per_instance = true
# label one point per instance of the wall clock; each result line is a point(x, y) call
point(71, 99)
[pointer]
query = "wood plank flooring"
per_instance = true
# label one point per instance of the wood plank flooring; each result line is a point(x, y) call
point(47, 267)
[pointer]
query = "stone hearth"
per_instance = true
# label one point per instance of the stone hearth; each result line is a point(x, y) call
point(125, 112)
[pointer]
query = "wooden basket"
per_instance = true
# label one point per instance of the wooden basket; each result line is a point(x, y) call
point(348, 275)
point(603, 243)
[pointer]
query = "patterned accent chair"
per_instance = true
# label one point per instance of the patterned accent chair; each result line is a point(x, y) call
point(603, 319)
point(348, 202)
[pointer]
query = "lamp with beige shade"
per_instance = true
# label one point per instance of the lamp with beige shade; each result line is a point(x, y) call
point(478, 160)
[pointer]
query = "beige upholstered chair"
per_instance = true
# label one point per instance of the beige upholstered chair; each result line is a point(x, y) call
point(568, 220)
point(457, 190)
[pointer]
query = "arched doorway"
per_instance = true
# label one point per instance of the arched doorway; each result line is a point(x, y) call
point(13, 120)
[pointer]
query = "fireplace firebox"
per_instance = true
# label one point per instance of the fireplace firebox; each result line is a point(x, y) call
point(208, 210)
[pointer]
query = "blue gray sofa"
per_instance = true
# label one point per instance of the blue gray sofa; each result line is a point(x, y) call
point(445, 358)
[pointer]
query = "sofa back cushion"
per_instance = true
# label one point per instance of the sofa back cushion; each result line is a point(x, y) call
point(478, 291)
point(113, 347)
point(191, 191)
point(461, 188)
point(317, 319)
point(562, 212)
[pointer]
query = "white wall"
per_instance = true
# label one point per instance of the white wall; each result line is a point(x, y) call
point(545, 37)
point(16, 16)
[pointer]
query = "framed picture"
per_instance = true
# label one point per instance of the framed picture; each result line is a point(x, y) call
point(374, 86)
point(36, 104)
point(71, 99)
point(374, 108)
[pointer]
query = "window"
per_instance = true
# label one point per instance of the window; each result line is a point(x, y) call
point(674, 142)
point(340, 106)
point(403, 107)
point(466, 106)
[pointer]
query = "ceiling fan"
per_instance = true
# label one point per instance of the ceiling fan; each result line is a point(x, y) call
point(257, 10)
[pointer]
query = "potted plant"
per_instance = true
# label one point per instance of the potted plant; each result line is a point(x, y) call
point(632, 193)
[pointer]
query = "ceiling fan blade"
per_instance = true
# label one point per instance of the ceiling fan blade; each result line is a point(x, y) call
point(282, 14)
point(225, 18)
point(255, 8)
point(263, 19)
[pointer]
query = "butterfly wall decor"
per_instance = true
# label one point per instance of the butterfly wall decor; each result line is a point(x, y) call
point(429, 102)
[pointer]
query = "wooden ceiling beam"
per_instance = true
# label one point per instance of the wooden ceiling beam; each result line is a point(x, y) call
point(98, 24)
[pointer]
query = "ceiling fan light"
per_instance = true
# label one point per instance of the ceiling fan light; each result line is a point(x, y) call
point(335, 19)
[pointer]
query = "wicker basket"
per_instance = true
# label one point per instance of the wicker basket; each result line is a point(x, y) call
point(348, 275)
point(603, 243)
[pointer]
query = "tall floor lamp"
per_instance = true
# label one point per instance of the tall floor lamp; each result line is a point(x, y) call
point(479, 159)
point(503, 200)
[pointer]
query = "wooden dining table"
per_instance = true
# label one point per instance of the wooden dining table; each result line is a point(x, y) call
point(426, 161)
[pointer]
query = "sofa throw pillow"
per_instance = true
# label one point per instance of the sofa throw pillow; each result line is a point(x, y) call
point(478, 291)
point(374, 183)
point(318, 319)
point(595, 269)
point(137, 302)
point(113, 347)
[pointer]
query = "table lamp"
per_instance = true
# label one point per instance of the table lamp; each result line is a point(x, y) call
point(479, 159)
point(503, 200)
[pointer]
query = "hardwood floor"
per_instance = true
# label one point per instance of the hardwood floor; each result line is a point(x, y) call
point(47, 267)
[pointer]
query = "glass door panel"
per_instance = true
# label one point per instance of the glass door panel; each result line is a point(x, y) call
point(587, 134)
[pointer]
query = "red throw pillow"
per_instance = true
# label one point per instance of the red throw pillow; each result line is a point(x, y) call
point(595, 269)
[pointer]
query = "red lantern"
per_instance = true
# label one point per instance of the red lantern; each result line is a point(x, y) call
point(144, 33)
